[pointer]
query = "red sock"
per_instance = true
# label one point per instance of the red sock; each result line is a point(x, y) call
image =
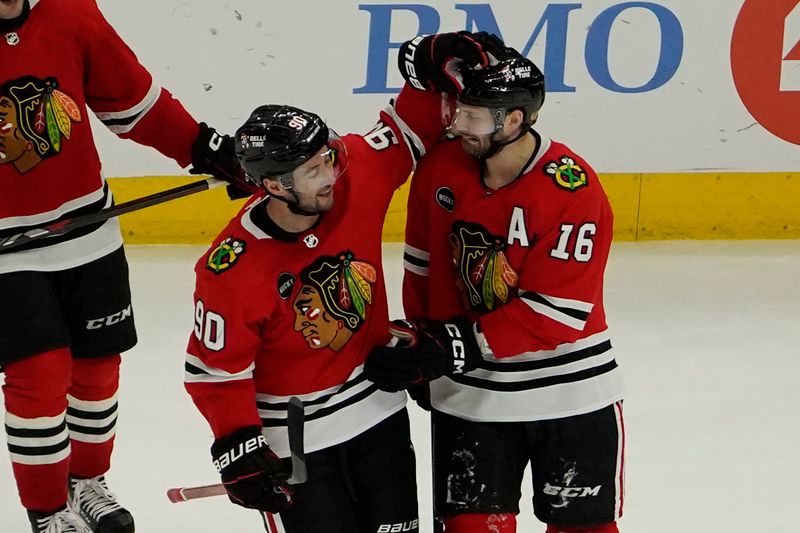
point(35, 396)
point(481, 523)
point(92, 414)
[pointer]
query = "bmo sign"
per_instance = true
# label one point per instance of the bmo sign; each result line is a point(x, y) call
point(551, 29)
point(765, 60)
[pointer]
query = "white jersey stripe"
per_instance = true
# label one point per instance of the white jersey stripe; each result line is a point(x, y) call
point(40, 459)
point(42, 422)
point(409, 136)
point(211, 374)
point(556, 315)
point(418, 270)
point(561, 349)
point(93, 406)
point(416, 252)
point(567, 303)
point(38, 442)
point(49, 216)
point(509, 376)
point(333, 415)
point(554, 401)
point(136, 113)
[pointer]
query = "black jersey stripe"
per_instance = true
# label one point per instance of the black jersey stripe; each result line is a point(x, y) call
point(92, 415)
point(124, 121)
point(42, 433)
point(574, 313)
point(38, 450)
point(407, 257)
point(283, 406)
point(538, 383)
point(80, 232)
point(77, 428)
point(325, 411)
point(550, 362)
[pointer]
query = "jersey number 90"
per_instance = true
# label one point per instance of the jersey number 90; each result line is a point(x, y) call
point(209, 327)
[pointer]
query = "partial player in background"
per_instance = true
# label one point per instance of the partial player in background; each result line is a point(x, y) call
point(66, 312)
point(507, 240)
point(290, 299)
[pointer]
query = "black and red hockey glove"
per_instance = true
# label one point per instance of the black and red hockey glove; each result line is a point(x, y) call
point(431, 62)
point(252, 474)
point(426, 350)
point(215, 154)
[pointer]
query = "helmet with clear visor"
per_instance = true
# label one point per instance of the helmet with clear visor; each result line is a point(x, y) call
point(490, 93)
point(277, 139)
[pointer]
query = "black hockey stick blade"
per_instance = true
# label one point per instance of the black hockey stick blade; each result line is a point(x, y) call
point(8, 244)
point(295, 422)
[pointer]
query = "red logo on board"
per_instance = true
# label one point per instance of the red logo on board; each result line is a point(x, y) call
point(765, 59)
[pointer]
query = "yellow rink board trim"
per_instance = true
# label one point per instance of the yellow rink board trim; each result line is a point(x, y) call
point(646, 207)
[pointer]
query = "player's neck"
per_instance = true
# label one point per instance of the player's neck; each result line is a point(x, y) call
point(506, 165)
point(281, 215)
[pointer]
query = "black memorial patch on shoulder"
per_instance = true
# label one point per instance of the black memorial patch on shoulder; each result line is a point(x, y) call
point(285, 284)
point(446, 199)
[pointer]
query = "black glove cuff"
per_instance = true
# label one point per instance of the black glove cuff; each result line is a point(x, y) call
point(228, 450)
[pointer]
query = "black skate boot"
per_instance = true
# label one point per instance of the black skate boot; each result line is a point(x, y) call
point(91, 499)
point(63, 521)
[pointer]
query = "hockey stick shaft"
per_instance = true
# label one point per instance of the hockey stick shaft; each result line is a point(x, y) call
point(61, 227)
point(295, 422)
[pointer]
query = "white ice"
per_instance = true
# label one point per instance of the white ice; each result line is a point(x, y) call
point(707, 334)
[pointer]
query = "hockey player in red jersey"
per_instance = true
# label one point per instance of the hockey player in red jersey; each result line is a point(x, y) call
point(507, 240)
point(289, 300)
point(67, 311)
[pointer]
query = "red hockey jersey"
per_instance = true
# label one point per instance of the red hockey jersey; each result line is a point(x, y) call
point(280, 315)
point(64, 58)
point(526, 261)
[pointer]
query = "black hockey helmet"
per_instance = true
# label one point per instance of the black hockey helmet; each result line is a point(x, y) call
point(512, 83)
point(277, 139)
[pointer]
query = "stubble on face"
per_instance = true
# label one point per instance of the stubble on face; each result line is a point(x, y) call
point(10, 9)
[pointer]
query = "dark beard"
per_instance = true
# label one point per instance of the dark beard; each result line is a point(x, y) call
point(16, 22)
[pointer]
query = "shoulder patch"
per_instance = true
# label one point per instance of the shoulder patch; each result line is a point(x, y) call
point(285, 283)
point(566, 173)
point(446, 199)
point(225, 255)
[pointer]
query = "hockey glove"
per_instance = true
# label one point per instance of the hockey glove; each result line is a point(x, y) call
point(252, 474)
point(431, 62)
point(432, 349)
point(215, 154)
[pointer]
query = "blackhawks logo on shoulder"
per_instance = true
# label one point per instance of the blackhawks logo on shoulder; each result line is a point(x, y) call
point(225, 255)
point(567, 174)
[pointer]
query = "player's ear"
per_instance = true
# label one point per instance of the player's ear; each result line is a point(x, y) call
point(273, 186)
point(514, 119)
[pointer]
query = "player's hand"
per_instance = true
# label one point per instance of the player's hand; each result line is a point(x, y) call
point(215, 154)
point(426, 350)
point(432, 62)
point(252, 474)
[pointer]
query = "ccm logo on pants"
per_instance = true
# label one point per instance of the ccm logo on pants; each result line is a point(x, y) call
point(97, 323)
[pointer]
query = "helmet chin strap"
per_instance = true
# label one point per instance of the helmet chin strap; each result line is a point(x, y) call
point(294, 205)
point(496, 146)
